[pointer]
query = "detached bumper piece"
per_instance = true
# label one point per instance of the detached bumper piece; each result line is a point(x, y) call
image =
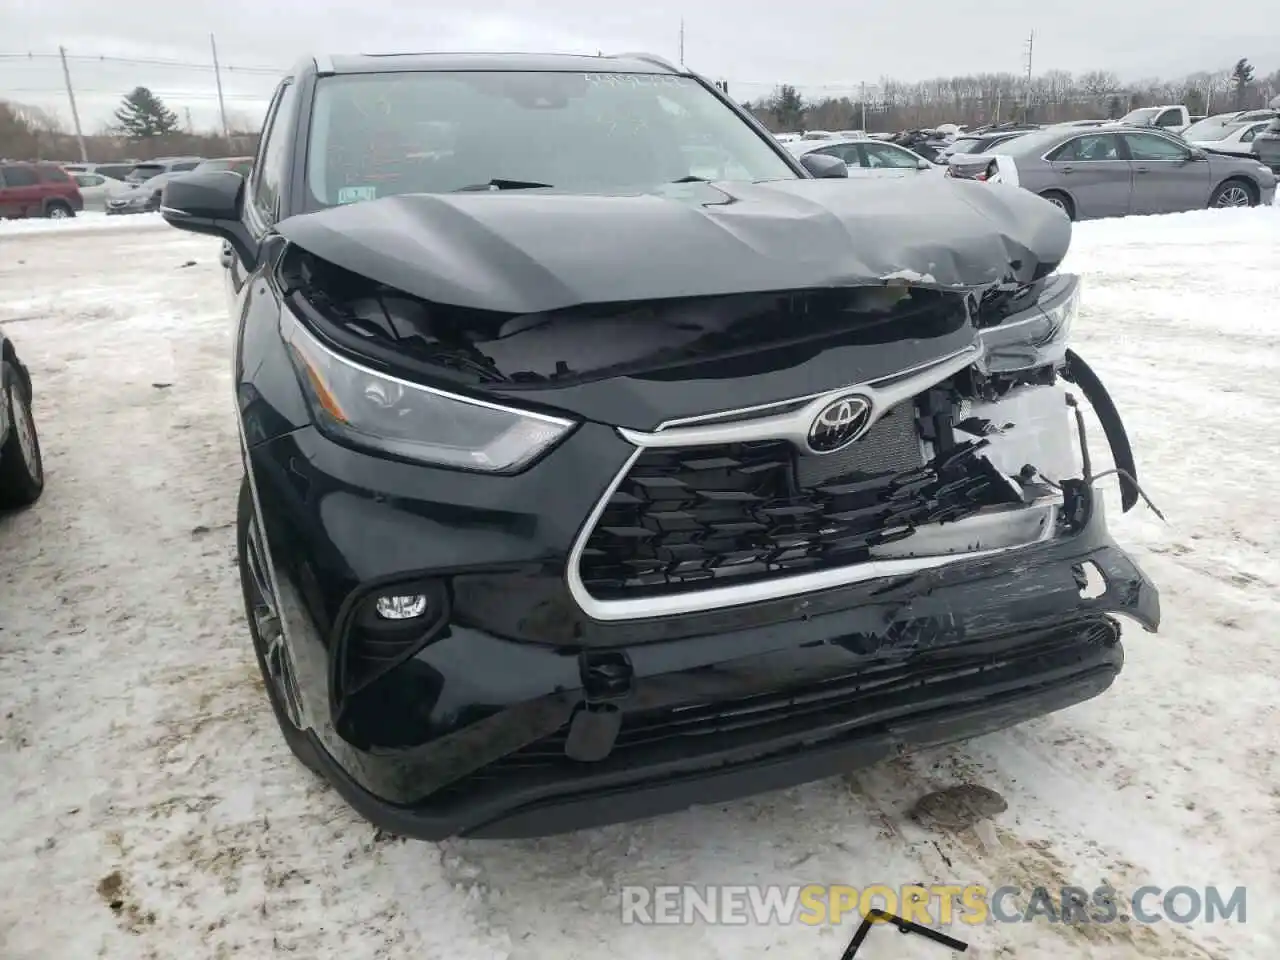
point(672, 748)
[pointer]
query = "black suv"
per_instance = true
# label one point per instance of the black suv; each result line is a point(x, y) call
point(601, 458)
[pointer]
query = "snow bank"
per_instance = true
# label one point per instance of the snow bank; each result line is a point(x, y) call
point(89, 221)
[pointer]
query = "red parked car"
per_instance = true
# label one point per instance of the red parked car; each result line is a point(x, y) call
point(37, 190)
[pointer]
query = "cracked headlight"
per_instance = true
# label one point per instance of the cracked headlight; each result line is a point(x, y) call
point(1036, 336)
point(363, 407)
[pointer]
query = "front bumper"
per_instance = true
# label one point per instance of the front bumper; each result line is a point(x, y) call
point(471, 735)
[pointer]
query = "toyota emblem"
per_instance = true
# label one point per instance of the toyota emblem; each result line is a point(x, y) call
point(839, 423)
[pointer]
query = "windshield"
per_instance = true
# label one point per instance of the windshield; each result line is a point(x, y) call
point(1215, 128)
point(376, 135)
point(1145, 115)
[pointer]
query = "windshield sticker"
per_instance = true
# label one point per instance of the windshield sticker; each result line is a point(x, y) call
point(356, 194)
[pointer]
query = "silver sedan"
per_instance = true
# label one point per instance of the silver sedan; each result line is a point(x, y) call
point(1110, 172)
point(866, 157)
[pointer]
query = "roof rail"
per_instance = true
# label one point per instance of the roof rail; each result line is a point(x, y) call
point(324, 65)
point(653, 58)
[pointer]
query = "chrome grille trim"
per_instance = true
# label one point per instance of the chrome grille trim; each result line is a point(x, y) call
point(885, 392)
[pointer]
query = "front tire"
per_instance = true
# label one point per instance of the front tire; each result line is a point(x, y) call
point(57, 210)
point(1234, 193)
point(262, 613)
point(21, 463)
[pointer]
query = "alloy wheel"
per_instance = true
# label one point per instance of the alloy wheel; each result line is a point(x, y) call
point(268, 632)
point(26, 433)
point(1233, 196)
point(58, 213)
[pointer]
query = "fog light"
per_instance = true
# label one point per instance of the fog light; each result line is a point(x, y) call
point(401, 608)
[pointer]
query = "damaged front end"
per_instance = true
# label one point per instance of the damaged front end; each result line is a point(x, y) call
point(712, 540)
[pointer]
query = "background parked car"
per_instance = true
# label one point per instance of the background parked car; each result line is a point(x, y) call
point(141, 197)
point(142, 172)
point(97, 189)
point(1267, 146)
point(1173, 117)
point(1229, 132)
point(21, 467)
point(983, 142)
point(866, 157)
point(37, 190)
point(240, 165)
point(112, 171)
point(1108, 172)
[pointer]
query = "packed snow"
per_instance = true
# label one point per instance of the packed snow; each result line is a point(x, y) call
point(151, 809)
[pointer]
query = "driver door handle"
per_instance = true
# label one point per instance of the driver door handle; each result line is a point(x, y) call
point(1141, 169)
point(1068, 169)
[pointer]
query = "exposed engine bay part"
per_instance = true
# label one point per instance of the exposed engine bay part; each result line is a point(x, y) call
point(1080, 373)
point(596, 341)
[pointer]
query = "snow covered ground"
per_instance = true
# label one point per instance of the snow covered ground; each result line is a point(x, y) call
point(150, 809)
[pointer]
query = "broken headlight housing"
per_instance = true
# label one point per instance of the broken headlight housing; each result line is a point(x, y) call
point(1036, 336)
point(363, 407)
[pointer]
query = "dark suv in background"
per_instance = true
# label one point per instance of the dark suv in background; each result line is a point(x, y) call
point(37, 190)
point(603, 458)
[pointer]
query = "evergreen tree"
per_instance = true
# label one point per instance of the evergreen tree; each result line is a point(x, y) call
point(787, 107)
point(143, 115)
point(1241, 77)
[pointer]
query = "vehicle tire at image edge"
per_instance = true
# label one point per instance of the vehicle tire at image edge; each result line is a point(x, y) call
point(260, 610)
point(1234, 192)
point(58, 210)
point(21, 464)
point(1061, 201)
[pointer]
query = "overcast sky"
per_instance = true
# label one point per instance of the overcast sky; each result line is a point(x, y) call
point(822, 46)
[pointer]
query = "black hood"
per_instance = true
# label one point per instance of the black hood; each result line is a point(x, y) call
point(526, 251)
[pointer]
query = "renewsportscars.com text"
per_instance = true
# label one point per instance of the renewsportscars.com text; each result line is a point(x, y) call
point(936, 905)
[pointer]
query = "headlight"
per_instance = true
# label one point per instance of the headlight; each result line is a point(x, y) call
point(394, 416)
point(1037, 336)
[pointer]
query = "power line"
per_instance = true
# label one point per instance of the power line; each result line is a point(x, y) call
point(139, 62)
point(162, 94)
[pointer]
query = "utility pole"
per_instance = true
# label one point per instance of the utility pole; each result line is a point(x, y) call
point(217, 76)
point(187, 112)
point(862, 102)
point(1026, 106)
point(682, 41)
point(71, 96)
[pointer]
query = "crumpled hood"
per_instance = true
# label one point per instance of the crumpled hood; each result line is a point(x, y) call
point(530, 251)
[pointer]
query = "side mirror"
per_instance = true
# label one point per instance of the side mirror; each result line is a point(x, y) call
point(211, 203)
point(923, 164)
point(823, 166)
point(1198, 154)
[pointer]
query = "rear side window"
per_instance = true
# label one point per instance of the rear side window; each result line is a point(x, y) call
point(53, 175)
point(118, 172)
point(1095, 147)
point(184, 166)
point(1170, 118)
point(20, 177)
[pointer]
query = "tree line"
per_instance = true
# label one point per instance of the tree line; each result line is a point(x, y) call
point(144, 126)
point(1051, 97)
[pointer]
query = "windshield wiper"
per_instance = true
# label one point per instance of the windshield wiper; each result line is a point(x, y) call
point(499, 184)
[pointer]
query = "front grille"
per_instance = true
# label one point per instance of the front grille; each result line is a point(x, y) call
point(733, 513)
